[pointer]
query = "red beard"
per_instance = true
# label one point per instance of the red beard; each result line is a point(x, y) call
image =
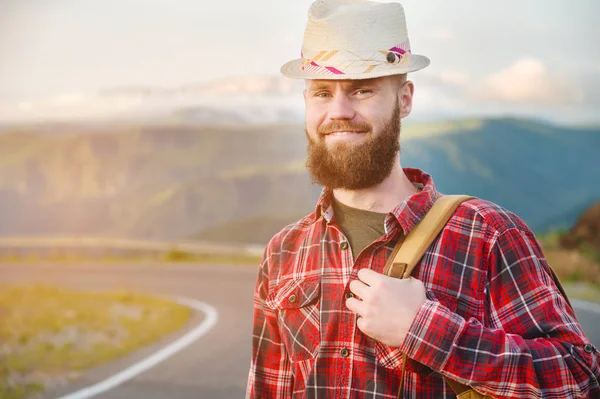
point(354, 166)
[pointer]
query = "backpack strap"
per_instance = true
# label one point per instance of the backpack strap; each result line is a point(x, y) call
point(410, 248)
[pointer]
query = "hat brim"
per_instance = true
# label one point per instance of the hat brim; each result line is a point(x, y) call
point(293, 69)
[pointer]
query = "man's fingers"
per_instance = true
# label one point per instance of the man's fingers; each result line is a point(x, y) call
point(360, 324)
point(369, 276)
point(355, 305)
point(359, 288)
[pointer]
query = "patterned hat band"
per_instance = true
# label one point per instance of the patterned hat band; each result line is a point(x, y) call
point(341, 62)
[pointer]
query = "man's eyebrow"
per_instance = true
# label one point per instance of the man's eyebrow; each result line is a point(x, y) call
point(352, 85)
point(319, 86)
point(361, 83)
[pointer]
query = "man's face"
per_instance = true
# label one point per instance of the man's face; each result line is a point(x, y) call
point(353, 129)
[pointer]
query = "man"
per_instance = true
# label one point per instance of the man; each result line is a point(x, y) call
point(482, 308)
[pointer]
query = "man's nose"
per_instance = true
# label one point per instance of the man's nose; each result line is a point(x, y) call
point(341, 108)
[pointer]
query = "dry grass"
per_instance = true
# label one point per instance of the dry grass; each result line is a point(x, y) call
point(48, 335)
point(571, 265)
point(170, 256)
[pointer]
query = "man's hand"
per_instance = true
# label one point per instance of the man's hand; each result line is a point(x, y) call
point(387, 305)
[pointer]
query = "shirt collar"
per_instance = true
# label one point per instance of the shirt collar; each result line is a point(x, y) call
point(407, 213)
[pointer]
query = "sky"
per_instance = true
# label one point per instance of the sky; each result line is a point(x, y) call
point(537, 58)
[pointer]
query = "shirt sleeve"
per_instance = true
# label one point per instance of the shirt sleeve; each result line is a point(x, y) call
point(533, 346)
point(270, 370)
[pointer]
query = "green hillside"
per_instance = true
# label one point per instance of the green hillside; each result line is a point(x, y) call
point(540, 171)
point(253, 230)
point(176, 181)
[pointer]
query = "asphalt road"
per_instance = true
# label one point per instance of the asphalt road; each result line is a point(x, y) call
point(215, 365)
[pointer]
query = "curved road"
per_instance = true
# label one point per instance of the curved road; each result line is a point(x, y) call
point(215, 365)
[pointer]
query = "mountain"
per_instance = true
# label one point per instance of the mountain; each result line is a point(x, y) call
point(249, 114)
point(178, 179)
point(249, 230)
point(538, 170)
point(158, 181)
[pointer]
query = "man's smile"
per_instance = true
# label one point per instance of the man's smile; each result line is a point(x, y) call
point(341, 133)
point(345, 136)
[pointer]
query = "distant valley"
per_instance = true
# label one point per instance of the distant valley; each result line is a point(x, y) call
point(242, 182)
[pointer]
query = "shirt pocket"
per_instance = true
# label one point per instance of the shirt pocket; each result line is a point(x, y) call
point(391, 357)
point(298, 310)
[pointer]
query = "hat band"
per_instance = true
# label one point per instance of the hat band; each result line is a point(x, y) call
point(342, 62)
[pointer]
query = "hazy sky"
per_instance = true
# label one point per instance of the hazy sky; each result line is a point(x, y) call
point(537, 55)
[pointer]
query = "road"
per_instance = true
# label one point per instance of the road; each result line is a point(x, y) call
point(214, 366)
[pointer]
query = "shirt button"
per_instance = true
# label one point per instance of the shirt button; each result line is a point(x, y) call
point(344, 245)
point(292, 298)
point(588, 348)
point(345, 352)
point(349, 295)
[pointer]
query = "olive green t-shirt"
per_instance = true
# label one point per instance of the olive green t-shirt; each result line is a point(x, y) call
point(360, 227)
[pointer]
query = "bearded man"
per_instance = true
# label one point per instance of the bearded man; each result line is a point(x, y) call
point(483, 308)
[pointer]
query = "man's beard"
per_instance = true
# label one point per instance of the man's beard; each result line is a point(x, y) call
point(352, 166)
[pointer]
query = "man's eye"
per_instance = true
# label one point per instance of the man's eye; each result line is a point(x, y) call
point(363, 91)
point(322, 95)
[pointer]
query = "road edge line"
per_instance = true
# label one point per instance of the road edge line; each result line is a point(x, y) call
point(157, 357)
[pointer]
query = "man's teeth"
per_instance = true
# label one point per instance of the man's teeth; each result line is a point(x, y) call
point(342, 133)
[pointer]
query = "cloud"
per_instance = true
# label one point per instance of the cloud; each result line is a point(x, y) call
point(275, 93)
point(526, 81)
point(442, 34)
point(68, 106)
point(291, 39)
point(453, 78)
point(446, 79)
point(69, 99)
point(25, 106)
point(526, 88)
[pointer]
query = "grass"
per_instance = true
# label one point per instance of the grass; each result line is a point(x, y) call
point(578, 270)
point(173, 255)
point(49, 335)
point(571, 265)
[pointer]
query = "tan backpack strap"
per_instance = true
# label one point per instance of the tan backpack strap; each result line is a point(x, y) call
point(410, 248)
point(389, 269)
point(401, 387)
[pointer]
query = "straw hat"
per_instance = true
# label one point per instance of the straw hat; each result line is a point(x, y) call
point(354, 39)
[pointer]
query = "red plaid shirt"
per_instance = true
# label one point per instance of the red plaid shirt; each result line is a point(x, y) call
point(494, 319)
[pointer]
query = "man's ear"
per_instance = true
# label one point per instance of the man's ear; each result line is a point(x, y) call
point(405, 98)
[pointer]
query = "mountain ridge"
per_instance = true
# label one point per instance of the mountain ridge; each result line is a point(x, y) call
point(173, 180)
